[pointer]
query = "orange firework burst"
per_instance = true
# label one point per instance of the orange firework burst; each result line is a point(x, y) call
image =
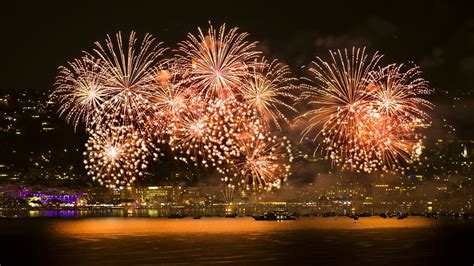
point(388, 142)
point(365, 119)
point(116, 156)
point(126, 71)
point(217, 62)
point(397, 93)
point(190, 136)
point(338, 97)
point(170, 95)
point(395, 113)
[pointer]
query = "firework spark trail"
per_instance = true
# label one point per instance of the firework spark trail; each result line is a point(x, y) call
point(268, 89)
point(217, 61)
point(228, 193)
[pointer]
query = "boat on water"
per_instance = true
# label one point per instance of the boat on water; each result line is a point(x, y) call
point(175, 216)
point(402, 216)
point(197, 217)
point(280, 215)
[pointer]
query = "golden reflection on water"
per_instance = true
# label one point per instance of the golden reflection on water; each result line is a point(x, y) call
point(150, 226)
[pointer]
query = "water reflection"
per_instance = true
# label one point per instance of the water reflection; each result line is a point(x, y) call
point(140, 226)
point(311, 241)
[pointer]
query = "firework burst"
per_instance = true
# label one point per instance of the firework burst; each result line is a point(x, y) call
point(116, 156)
point(389, 142)
point(267, 88)
point(127, 73)
point(217, 61)
point(78, 91)
point(365, 119)
point(190, 136)
point(397, 93)
point(394, 115)
point(337, 98)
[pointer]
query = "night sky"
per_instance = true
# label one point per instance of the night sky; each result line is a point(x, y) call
point(39, 36)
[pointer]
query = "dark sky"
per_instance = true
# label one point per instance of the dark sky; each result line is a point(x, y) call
point(38, 36)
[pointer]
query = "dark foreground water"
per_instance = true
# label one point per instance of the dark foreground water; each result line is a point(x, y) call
point(309, 241)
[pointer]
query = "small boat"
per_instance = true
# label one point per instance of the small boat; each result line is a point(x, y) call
point(197, 217)
point(275, 216)
point(175, 216)
point(402, 216)
point(383, 215)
